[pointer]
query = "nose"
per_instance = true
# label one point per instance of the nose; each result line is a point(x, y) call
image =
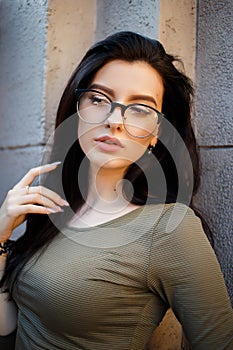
point(115, 119)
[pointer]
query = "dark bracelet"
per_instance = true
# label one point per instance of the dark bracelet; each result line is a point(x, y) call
point(6, 247)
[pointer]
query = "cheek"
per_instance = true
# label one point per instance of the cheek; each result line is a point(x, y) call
point(82, 129)
point(135, 149)
point(85, 135)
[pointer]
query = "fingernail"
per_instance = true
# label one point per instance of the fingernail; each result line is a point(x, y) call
point(63, 202)
point(59, 208)
point(51, 210)
point(55, 163)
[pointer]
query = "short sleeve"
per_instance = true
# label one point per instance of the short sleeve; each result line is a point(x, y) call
point(185, 272)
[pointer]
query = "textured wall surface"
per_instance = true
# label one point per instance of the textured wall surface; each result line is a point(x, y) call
point(135, 15)
point(177, 31)
point(215, 199)
point(71, 30)
point(214, 121)
point(214, 71)
point(22, 50)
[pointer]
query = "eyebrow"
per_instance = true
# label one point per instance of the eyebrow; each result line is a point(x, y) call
point(109, 91)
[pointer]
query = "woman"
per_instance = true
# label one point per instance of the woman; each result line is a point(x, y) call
point(104, 277)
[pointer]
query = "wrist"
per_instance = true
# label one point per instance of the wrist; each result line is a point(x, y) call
point(6, 247)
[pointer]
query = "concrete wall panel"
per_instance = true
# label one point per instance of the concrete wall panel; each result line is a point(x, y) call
point(134, 15)
point(16, 164)
point(71, 31)
point(177, 31)
point(214, 72)
point(214, 124)
point(22, 50)
point(215, 201)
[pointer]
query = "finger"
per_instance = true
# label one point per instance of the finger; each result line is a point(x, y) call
point(34, 209)
point(34, 172)
point(43, 191)
point(46, 192)
point(38, 199)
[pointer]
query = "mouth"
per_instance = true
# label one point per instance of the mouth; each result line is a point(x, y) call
point(108, 144)
point(109, 141)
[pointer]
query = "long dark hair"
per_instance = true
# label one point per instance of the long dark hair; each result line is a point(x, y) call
point(176, 107)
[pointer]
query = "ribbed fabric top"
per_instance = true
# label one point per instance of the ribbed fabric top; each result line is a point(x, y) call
point(108, 287)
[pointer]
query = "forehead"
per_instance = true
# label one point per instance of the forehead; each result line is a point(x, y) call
point(136, 77)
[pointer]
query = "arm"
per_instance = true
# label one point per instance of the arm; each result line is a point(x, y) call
point(19, 202)
point(185, 272)
point(8, 318)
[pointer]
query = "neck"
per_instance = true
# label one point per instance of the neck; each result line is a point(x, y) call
point(104, 197)
point(105, 184)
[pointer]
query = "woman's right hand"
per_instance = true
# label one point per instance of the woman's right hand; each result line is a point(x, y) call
point(22, 200)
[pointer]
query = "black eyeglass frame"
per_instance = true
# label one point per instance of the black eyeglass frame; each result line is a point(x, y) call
point(123, 108)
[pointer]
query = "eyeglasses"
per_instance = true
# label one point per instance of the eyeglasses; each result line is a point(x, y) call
point(139, 120)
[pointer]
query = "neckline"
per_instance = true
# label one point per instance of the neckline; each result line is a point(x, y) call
point(105, 223)
point(115, 221)
point(119, 231)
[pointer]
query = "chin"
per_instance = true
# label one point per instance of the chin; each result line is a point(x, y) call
point(112, 163)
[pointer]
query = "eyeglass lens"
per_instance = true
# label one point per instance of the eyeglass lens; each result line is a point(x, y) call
point(95, 108)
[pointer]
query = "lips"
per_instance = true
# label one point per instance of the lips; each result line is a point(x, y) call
point(109, 140)
point(108, 144)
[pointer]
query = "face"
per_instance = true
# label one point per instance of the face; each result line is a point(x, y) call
point(108, 144)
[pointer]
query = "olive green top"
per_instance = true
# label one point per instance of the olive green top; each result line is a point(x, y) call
point(109, 286)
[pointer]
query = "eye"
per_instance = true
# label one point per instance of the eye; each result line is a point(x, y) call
point(140, 110)
point(98, 99)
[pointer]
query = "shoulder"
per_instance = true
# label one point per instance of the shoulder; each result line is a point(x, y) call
point(179, 232)
point(171, 218)
point(178, 218)
point(180, 248)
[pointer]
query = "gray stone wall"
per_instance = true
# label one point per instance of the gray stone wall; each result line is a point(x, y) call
point(134, 15)
point(22, 55)
point(214, 124)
